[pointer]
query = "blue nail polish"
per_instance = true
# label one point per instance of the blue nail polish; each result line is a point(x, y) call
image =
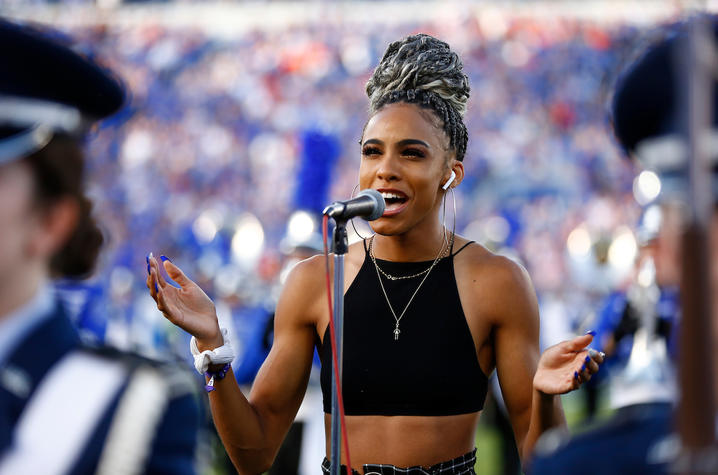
point(591, 332)
point(147, 258)
point(587, 359)
point(583, 368)
point(157, 289)
point(165, 258)
point(575, 375)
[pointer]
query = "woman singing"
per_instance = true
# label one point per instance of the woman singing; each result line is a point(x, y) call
point(428, 314)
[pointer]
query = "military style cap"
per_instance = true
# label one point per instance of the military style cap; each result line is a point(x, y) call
point(647, 113)
point(46, 88)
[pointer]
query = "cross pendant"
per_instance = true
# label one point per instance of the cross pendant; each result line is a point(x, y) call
point(396, 333)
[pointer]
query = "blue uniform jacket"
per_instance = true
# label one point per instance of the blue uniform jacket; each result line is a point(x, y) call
point(171, 446)
point(636, 440)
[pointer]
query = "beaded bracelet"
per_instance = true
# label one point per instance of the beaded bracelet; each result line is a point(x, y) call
point(215, 376)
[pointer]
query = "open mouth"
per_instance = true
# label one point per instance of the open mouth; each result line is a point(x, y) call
point(394, 200)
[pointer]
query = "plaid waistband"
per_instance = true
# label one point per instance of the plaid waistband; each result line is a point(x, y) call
point(462, 465)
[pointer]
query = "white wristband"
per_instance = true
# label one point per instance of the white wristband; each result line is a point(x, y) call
point(222, 355)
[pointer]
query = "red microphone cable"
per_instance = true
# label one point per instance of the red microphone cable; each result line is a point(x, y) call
point(335, 359)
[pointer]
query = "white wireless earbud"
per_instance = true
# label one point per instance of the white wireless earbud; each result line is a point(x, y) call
point(451, 179)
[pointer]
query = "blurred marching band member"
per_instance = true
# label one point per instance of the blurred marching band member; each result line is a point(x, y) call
point(641, 437)
point(620, 318)
point(428, 314)
point(64, 407)
point(641, 316)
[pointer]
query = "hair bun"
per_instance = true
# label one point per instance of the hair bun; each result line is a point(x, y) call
point(424, 63)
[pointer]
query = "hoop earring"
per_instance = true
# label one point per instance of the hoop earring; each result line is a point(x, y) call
point(443, 216)
point(453, 226)
point(443, 221)
point(352, 220)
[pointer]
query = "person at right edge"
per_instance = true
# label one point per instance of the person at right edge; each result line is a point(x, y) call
point(66, 408)
point(642, 438)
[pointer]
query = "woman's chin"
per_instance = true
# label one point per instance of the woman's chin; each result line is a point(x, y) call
point(388, 227)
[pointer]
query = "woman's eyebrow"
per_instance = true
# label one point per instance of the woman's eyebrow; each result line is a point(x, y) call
point(401, 143)
point(413, 142)
point(373, 142)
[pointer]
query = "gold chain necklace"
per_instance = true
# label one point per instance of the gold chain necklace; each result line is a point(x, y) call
point(381, 284)
point(442, 253)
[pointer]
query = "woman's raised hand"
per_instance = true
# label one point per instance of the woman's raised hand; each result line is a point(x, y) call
point(188, 306)
point(566, 365)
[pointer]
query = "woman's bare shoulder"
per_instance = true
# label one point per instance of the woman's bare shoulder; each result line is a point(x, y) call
point(493, 275)
point(309, 274)
point(305, 289)
point(478, 259)
point(304, 282)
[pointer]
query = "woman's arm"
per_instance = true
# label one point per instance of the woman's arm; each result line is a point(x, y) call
point(251, 429)
point(516, 350)
point(532, 385)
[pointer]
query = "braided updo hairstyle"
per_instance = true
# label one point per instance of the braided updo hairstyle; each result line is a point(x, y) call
point(423, 70)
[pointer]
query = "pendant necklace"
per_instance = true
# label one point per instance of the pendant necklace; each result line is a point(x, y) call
point(397, 331)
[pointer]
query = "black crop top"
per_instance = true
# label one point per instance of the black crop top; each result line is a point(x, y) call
point(431, 370)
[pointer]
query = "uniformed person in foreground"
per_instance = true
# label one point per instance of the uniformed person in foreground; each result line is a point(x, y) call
point(642, 438)
point(65, 408)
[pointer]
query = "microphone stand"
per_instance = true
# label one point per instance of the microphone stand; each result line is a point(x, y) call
point(370, 205)
point(340, 248)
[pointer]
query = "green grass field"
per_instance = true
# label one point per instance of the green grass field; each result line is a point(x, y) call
point(489, 441)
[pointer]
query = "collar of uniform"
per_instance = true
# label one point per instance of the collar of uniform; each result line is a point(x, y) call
point(16, 326)
point(33, 355)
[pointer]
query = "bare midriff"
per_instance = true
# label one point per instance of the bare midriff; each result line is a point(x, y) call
point(406, 441)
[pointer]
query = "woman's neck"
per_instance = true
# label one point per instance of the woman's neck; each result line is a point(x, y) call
point(413, 246)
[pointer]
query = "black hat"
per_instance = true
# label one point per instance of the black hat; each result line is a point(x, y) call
point(47, 88)
point(646, 104)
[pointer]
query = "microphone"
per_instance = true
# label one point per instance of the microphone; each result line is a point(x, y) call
point(368, 204)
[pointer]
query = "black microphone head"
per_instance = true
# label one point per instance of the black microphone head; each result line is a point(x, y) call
point(378, 199)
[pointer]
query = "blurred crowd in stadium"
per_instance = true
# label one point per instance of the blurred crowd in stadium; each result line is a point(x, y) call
point(203, 163)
